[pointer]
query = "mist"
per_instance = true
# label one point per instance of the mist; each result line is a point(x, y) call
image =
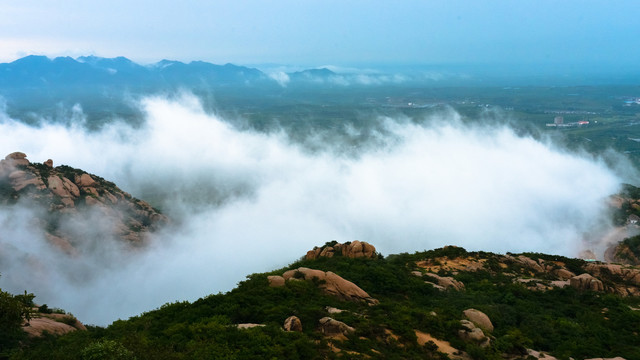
point(244, 201)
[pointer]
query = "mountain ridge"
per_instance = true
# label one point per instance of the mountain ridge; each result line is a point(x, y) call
point(496, 310)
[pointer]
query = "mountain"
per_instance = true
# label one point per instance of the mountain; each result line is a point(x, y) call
point(347, 301)
point(63, 72)
point(60, 199)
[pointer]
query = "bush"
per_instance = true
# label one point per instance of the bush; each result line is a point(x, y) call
point(106, 350)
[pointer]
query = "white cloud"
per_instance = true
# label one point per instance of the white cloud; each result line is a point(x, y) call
point(249, 202)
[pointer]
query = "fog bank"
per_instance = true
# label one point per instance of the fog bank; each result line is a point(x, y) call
point(246, 202)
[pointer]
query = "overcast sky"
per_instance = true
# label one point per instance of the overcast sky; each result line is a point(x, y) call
point(314, 32)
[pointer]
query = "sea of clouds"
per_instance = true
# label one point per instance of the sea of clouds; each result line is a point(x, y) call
point(244, 201)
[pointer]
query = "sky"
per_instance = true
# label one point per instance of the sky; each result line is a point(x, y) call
point(313, 32)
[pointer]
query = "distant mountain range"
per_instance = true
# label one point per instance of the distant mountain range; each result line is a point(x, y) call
point(41, 71)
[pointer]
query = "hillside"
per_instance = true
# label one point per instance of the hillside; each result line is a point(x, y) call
point(70, 204)
point(347, 301)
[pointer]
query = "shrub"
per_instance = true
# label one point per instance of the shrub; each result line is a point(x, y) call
point(106, 350)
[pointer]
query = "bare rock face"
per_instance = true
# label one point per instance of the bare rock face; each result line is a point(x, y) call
point(56, 324)
point(17, 158)
point(38, 326)
point(586, 282)
point(332, 327)
point(355, 249)
point(331, 284)
point(479, 318)
point(292, 323)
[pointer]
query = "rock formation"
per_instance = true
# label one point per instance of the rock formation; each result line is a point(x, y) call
point(292, 323)
point(470, 332)
point(331, 284)
point(55, 324)
point(332, 328)
point(355, 249)
point(67, 195)
point(479, 319)
point(586, 282)
point(445, 282)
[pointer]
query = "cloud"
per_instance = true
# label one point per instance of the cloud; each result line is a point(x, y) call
point(280, 77)
point(248, 202)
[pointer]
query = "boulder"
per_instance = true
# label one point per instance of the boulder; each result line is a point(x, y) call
point(470, 332)
point(540, 355)
point(563, 274)
point(248, 326)
point(37, 327)
point(275, 280)
point(446, 282)
point(327, 252)
point(530, 263)
point(355, 249)
point(332, 310)
point(313, 254)
point(292, 323)
point(586, 282)
point(332, 327)
point(331, 284)
point(479, 318)
point(17, 158)
point(49, 163)
point(358, 249)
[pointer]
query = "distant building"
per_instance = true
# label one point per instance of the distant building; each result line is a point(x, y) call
point(633, 219)
point(558, 120)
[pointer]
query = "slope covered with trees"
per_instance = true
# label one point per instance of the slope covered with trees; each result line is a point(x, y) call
point(535, 303)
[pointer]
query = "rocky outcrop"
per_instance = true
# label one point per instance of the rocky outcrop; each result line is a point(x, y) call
point(331, 284)
point(332, 328)
point(68, 195)
point(248, 326)
point(586, 282)
point(355, 249)
point(479, 318)
point(470, 332)
point(540, 355)
point(445, 282)
point(55, 324)
point(292, 323)
point(275, 280)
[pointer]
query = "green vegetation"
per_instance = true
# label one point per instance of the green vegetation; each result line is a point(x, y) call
point(633, 244)
point(14, 309)
point(563, 321)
